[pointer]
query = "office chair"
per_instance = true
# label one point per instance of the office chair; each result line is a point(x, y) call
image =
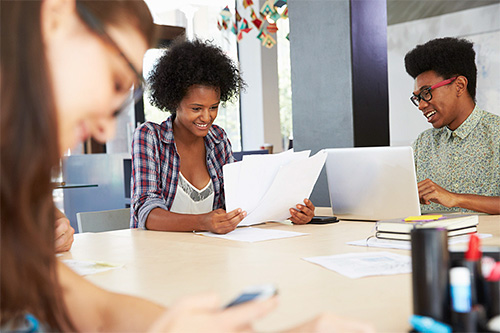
point(105, 220)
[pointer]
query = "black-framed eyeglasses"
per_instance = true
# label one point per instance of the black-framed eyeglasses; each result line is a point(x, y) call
point(426, 95)
point(95, 24)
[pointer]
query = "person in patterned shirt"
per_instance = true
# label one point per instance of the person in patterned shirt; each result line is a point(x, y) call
point(458, 160)
point(177, 180)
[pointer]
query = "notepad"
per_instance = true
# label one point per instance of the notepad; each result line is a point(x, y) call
point(405, 244)
point(407, 236)
point(456, 224)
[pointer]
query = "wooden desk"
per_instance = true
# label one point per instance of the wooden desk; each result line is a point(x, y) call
point(164, 266)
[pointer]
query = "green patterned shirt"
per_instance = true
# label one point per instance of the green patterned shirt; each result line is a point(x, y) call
point(466, 160)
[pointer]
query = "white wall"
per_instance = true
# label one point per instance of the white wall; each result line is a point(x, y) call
point(480, 25)
point(260, 111)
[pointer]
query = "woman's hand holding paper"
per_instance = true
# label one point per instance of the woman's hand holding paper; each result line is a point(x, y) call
point(220, 222)
point(302, 214)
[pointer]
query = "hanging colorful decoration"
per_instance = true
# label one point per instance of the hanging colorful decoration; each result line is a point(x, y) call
point(226, 14)
point(247, 3)
point(264, 20)
point(267, 9)
point(269, 41)
point(238, 17)
point(272, 28)
point(244, 26)
point(257, 23)
point(279, 3)
point(285, 13)
point(262, 35)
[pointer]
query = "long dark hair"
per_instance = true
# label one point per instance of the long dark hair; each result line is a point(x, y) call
point(29, 154)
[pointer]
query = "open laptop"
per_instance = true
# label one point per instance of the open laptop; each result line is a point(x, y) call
point(372, 184)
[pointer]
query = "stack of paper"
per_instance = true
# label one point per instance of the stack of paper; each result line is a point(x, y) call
point(267, 186)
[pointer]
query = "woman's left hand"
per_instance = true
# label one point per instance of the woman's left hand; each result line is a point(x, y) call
point(303, 214)
point(63, 234)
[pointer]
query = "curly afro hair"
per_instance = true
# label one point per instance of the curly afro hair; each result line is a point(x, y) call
point(447, 57)
point(188, 63)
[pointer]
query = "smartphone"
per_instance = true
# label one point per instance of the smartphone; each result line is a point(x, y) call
point(324, 220)
point(259, 292)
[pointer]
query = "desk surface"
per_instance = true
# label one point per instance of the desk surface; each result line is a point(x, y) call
point(164, 266)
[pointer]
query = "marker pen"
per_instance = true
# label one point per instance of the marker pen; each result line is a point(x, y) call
point(473, 263)
point(460, 289)
point(493, 292)
point(487, 264)
point(473, 252)
point(467, 289)
point(494, 273)
point(464, 318)
point(428, 324)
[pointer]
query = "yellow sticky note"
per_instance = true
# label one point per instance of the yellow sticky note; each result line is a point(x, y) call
point(423, 218)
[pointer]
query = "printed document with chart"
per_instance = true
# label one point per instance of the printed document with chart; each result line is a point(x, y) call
point(267, 186)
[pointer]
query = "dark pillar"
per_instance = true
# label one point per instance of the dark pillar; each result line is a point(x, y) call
point(338, 51)
point(369, 73)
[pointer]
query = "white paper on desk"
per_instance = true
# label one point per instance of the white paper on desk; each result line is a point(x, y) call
point(356, 265)
point(405, 244)
point(283, 187)
point(86, 267)
point(254, 234)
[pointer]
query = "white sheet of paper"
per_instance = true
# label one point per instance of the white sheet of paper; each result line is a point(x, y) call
point(292, 184)
point(85, 267)
point(250, 179)
point(356, 265)
point(256, 175)
point(405, 245)
point(254, 234)
point(231, 173)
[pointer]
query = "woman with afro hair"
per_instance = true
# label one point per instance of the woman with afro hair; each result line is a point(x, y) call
point(177, 181)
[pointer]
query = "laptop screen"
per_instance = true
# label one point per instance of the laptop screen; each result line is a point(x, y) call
point(374, 183)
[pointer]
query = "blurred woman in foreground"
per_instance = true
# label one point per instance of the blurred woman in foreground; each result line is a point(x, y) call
point(66, 69)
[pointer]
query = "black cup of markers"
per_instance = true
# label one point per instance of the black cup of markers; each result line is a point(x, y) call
point(430, 266)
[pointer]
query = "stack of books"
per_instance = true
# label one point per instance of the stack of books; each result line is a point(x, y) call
point(399, 229)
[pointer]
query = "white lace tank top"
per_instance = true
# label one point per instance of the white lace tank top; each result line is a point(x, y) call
point(190, 200)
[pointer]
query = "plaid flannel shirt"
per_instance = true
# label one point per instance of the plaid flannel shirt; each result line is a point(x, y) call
point(156, 165)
